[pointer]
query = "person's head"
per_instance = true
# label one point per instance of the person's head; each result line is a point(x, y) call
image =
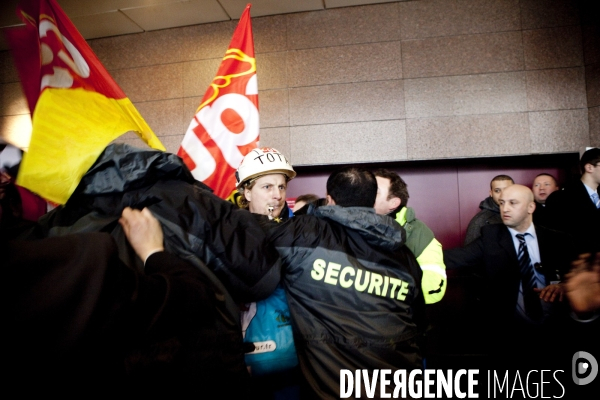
point(498, 184)
point(517, 207)
point(262, 179)
point(303, 200)
point(352, 187)
point(543, 185)
point(392, 191)
point(590, 167)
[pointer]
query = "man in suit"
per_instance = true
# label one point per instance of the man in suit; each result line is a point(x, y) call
point(576, 208)
point(519, 265)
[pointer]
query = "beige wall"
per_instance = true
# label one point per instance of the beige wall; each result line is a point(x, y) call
point(411, 80)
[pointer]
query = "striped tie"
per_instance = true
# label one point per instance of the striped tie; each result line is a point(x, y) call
point(596, 200)
point(531, 299)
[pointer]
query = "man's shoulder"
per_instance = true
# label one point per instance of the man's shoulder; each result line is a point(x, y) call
point(545, 233)
point(573, 191)
point(494, 230)
point(485, 217)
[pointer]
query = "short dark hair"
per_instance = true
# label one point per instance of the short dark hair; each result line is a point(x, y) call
point(398, 188)
point(592, 156)
point(547, 174)
point(501, 178)
point(352, 187)
point(307, 198)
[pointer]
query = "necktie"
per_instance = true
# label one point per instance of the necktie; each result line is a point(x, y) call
point(531, 299)
point(596, 200)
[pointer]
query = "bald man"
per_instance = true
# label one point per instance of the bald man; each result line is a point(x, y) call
point(520, 265)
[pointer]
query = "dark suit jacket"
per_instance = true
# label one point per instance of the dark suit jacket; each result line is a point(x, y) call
point(493, 258)
point(572, 210)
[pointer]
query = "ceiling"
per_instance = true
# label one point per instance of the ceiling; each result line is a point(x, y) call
point(102, 18)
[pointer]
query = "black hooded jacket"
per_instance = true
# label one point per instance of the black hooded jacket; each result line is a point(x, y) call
point(354, 292)
point(226, 244)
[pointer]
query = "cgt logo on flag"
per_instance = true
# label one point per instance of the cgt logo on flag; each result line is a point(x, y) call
point(226, 125)
point(77, 108)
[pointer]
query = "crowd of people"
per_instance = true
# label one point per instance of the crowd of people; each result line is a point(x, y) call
point(140, 279)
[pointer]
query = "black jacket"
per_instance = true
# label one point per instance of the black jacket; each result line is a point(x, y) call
point(571, 210)
point(198, 226)
point(489, 214)
point(354, 292)
point(225, 244)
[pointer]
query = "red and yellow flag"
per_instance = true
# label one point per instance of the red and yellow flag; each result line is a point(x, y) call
point(77, 108)
point(225, 127)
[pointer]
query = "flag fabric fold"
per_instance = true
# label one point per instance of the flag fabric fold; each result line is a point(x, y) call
point(77, 108)
point(226, 125)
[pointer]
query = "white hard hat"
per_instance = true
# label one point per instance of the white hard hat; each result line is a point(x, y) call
point(263, 161)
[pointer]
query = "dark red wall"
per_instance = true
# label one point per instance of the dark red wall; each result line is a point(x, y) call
point(446, 193)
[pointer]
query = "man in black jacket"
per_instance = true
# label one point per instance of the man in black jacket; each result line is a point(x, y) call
point(353, 289)
point(490, 213)
point(576, 208)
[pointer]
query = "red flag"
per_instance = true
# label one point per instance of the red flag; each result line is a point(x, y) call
point(77, 108)
point(225, 127)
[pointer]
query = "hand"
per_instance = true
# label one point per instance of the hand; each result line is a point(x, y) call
point(551, 293)
point(143, 232)
point(4, 182)
point(583, 284)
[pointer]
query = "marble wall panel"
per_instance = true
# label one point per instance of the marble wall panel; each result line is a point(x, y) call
point(554, 89)
point(348, 143)
point(355, 63)
point(277, 138)
point(553, 47)
point(158, 82)
point(545, 14)
point(12, 99)
point(467, 136)
point(559, 131)
point(463, 95)
point(592, 81)
point(198, 75)
point(271, 70)
point(352, 25)
point(8, 72)
point(199, 42)
point(274, 108)
point(433, 18)
point(462, 55)
point(140, 49)
point(269, 33)
point(594, 122)
point(190, 106)
point(172, 142)
point(163, 116)
point(350, 102)
point(591, 43)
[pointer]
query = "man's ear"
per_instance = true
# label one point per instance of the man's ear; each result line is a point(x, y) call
point(531, 207)
point(491, 193)
point(330, 201)
point(589, 168)
point(395, 203)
